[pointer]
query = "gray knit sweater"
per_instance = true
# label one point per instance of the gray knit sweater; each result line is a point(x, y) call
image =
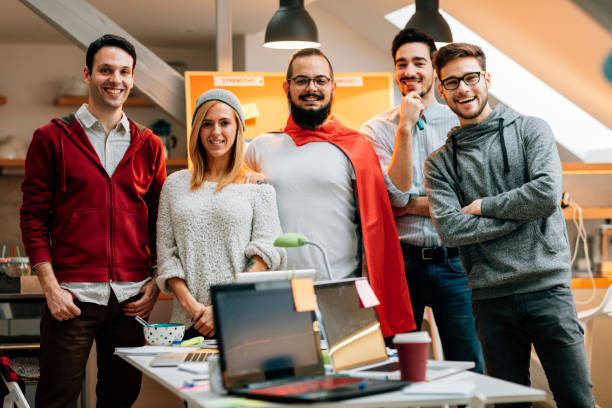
point(519, 244)
point(205, 237)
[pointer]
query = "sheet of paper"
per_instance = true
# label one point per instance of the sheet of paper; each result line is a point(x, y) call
point(152, 350)
point(236, 403)
point(303, 295)
point(459, 388)
point(194, 368)
point(367, 296)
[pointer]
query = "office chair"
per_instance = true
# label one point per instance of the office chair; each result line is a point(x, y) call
point(436, 343)
point(12, 386)
point(587, 318)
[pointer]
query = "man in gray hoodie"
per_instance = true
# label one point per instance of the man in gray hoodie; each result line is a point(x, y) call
point(494, 190)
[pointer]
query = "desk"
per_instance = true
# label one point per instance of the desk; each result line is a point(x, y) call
point(494, 390)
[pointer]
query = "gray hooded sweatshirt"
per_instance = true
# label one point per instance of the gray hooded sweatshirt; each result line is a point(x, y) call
point(519, 244)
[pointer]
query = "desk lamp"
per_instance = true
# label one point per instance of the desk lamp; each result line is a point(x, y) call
point(293, 240)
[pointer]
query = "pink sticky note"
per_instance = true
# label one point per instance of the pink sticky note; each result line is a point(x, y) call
point(367, 297)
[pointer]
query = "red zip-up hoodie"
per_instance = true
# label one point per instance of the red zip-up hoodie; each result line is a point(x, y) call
point(91, 227)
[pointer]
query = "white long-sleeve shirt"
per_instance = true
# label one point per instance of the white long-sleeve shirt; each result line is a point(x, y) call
point(205, 237)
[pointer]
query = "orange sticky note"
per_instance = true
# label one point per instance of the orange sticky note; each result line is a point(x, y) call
point(367, 297)
point(303, 294)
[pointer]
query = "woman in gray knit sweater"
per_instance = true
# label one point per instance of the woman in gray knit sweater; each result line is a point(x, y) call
point(215, 220)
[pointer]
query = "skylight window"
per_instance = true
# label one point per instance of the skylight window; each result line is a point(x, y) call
point(517, 88)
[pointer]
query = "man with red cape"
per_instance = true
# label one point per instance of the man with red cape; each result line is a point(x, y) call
point(330, 188)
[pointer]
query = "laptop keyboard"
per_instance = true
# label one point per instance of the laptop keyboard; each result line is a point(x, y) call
point(303, 387)
point(196, 357)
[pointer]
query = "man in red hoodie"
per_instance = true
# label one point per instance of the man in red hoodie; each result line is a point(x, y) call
point(90, 196)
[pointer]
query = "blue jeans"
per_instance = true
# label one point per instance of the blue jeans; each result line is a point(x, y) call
point(442, 286)
point(507, 327)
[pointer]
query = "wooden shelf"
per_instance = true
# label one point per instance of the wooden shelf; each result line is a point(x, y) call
point(12, 162)
point(586, 168)
point(176, 162)
point(2, 100)
point(68, 100)
point(590, 213)
point(16, 163)
point(585, 283)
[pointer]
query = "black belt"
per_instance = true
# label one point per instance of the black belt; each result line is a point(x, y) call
point(429, 254)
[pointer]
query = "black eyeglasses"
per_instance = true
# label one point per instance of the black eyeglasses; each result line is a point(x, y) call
point(302, 81)
point(471, 78)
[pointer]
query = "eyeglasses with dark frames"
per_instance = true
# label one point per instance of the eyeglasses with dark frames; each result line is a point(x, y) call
point(301, 81)
point(470, 79)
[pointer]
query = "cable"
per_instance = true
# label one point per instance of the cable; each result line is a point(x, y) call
point(581, 235)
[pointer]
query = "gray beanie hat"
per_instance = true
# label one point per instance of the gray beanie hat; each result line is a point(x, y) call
point(221, 95)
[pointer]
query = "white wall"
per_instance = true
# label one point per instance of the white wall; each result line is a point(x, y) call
point(31, 76)
point(347, 50)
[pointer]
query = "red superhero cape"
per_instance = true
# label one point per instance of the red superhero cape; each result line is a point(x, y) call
point(382, 248)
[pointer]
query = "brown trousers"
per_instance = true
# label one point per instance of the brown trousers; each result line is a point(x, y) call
point(65, 347)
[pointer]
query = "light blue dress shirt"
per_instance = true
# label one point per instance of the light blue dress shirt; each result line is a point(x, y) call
point(381, 130)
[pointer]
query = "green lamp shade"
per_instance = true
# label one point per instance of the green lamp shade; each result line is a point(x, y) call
point(290, 240)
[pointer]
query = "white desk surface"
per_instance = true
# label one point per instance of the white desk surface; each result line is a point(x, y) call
point(494, 390)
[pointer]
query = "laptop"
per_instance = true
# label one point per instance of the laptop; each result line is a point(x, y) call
point(269, 351)
point(355, 341)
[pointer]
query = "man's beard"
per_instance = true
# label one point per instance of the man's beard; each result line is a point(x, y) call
point(423, 90)
point(475, 115)
point(308, 118)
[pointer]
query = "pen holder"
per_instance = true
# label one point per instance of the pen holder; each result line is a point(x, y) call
point(14, 267)
point(10, 271)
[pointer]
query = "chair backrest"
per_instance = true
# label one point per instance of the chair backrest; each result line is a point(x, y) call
point(606, 304)
point(13, 387)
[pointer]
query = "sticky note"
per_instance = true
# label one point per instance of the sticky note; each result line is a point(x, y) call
point(367, 297)
point(303, 295)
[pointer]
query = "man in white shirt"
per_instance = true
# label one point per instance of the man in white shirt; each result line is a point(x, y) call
point(329, 187)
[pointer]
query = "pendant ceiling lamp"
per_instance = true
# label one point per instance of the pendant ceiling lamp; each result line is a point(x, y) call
point(427, 18)
point(291, 27)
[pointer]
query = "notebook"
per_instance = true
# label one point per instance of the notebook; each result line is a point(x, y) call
point(269, 351)
point(355, 341)
point(175, 358)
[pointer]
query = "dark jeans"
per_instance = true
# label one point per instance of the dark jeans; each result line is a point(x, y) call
point(507, 327)
point(65, 347)
point(442, 286)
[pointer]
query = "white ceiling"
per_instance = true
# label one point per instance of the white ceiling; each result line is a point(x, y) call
point(184, 23)
point(537, 35)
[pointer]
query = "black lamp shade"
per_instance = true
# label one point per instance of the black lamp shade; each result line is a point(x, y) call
point(427, 18)
point(291, 27)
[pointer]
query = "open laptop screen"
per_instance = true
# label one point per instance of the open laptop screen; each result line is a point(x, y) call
point(261, 336)
point(353, 333)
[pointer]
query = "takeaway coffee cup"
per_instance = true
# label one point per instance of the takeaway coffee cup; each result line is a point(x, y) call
point(412, 351)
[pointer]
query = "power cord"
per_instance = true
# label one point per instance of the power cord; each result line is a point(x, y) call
point(578, 221)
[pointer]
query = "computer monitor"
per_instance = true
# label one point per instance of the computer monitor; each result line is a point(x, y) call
point(261, 335)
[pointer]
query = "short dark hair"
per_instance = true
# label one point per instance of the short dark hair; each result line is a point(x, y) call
point(109, 40)
point(458, 50)
point(411, 35)
point(307, 52)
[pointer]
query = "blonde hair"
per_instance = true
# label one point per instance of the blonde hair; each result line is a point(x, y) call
point(236, 167)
